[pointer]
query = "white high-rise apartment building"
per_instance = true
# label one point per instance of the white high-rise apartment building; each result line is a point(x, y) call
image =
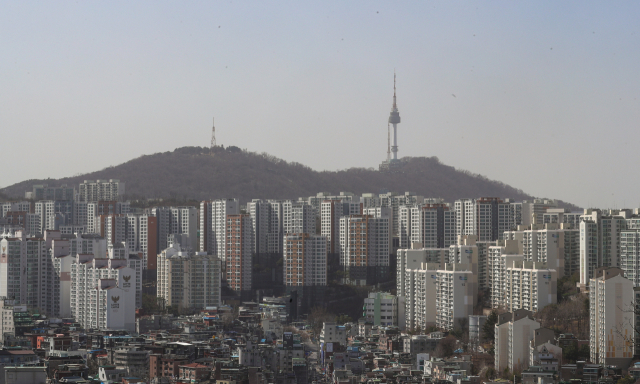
point(298, 217)
point(549, 243)
point(138, 232)
point(486, 217)
point(384, 213)
point(107, 190)
point(110, 307)
point(305, 260)
point(463, 209)
point(92, 224)
point(395, 202)
point(530, 212)
point(562, 216)
point(213, 225)
point(420, 287)
point(141, 238)
point(433, 225)
point(20, 206)
point(316, 201)
point(26, 270)
point(63, 252)
point(113, 228)
point(599, 242)
point(370, 200)
point(518, 283)
point(499, 257)
point(267, 225)
point(413, 259)
point(530, 285)
point(189, 279)
point(475, 253)
point(176, 220)
point(331, 211)
point(404, 226)
point(91, 281)
point(47, 211)
point(630, 255)
point(611, 317)
point(454, 296)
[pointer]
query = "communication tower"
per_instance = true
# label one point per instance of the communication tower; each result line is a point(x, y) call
point(394, 120)
point(213, 135)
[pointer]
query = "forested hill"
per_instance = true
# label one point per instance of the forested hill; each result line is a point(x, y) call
point(197, 173)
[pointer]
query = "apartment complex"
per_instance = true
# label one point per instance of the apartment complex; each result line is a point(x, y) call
point(413, 259)
point(188, 279)
point(104, 291)
point(599, 241)
point(138, 232)
point(475, 253)
point(331, 211)
point(176, 220)
point(109, 190)
point(45, 192)
point(517, 283)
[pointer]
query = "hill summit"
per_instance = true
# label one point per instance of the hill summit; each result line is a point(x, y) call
point(200, 174)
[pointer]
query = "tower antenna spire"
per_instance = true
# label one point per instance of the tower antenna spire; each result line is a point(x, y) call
point(394, 119)
point(394, 90)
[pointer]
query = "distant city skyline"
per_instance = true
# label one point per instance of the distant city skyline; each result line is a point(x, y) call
point(541, 96)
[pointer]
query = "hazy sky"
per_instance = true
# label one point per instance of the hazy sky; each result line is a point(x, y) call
point(543, 96)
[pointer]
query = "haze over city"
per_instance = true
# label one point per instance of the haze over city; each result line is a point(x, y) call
point(542, 96)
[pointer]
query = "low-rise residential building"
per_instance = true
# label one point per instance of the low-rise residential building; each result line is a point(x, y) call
point(384, 309)
point(333, 333)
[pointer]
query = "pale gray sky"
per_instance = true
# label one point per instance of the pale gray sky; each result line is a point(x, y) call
point(540, 95)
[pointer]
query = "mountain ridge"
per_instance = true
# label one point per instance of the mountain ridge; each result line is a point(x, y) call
point(201, 174)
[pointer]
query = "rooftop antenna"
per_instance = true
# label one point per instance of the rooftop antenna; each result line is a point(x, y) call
point(213, 136)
